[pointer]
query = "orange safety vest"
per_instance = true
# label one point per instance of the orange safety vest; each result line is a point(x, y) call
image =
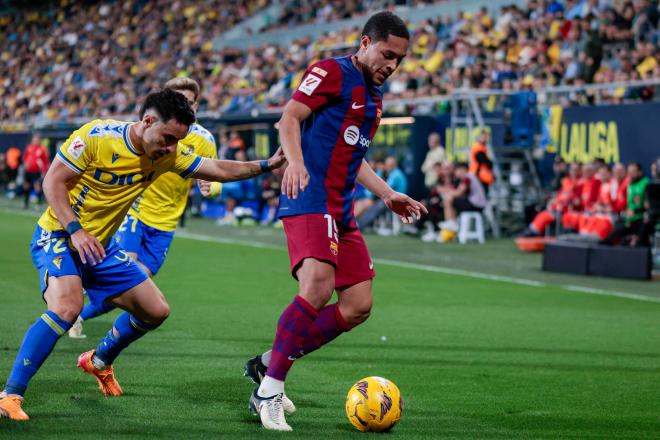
point(568, 194)
point(13, 157)
point(482, 171)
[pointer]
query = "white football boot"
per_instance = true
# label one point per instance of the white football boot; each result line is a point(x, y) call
point(270, 411)
point(256, 370)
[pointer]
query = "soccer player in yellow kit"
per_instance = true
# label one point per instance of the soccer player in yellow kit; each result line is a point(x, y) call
point(149, 226)
point(148, 229)
point(98, 173)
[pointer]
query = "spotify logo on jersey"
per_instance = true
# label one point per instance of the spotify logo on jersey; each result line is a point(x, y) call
point(351, 135)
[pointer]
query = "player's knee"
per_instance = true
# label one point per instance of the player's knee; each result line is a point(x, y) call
point(316, 297)
point(317, 283)
point(319, 289)
point(67, 311)
point(159, 313)
point(163, 312)
point(318, 293)
point(358, 313)
point(360, 317)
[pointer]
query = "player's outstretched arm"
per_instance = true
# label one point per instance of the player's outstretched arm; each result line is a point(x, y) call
point(229, 170)
point(57, 195)
point(405, 207)
point(295, 176)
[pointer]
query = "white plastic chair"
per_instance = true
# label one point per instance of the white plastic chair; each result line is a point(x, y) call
point(471, 227)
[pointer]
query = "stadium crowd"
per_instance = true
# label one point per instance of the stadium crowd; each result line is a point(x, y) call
point(301, 12)
point(86, 59)
point(94, 59)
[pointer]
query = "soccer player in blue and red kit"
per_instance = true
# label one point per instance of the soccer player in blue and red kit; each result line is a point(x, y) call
point(325, 132)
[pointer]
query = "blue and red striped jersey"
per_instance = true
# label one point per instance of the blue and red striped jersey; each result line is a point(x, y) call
point(345, 115)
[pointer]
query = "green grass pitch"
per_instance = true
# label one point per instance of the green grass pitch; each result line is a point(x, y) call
point(474, 359)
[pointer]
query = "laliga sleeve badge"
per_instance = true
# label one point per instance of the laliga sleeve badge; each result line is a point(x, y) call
point(76, 148)
point(309, 84)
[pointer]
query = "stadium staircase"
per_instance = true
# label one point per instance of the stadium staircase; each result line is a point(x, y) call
point(519, 185)
point(517, 181)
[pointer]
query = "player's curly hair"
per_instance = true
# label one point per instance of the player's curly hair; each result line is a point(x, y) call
point(383, 24)
point(169, 104)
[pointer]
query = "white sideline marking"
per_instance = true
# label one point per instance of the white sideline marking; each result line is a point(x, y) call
point(23, 213)
point(595, 291)
point(202, 237)
point(439, 269)
point(465, 273)
point(423, 267)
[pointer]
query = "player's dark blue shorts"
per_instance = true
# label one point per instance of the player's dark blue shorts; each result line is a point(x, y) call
point(54, 257)
point(150, 244)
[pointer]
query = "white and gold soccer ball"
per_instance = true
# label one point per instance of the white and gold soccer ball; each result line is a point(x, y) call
point(374, 404)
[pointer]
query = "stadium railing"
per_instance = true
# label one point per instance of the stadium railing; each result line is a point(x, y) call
point(546, 96)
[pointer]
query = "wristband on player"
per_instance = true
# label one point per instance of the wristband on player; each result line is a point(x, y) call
point(263, 164)
point(73, 227)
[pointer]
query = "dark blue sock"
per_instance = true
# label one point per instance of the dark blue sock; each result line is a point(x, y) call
point(93, 310)
point(129, 329)
point(38, 343)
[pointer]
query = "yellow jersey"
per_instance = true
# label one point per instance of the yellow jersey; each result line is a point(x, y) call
point(111, 174)
point(163, 202)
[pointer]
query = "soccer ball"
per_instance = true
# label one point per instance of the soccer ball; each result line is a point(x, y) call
point(374, 404)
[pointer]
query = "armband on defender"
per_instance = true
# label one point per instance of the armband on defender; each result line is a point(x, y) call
point(264, 166)
point(73, 227)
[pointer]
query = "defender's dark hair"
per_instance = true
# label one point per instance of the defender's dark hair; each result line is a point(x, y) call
point(169, 104)
point(383, 24)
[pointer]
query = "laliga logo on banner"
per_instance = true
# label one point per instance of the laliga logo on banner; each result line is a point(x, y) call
point(352, 136)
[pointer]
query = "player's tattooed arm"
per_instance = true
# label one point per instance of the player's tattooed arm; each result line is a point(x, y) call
point(404, 206)
point(230, 170)
point(57, 195)
point(295, 177)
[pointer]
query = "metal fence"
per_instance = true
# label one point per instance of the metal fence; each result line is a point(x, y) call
point(491, 100)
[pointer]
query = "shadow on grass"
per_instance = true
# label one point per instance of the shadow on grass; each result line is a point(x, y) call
point(478, 349)
point(435, 362)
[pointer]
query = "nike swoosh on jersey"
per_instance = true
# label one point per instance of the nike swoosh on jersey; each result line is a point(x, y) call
point(355, 106)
